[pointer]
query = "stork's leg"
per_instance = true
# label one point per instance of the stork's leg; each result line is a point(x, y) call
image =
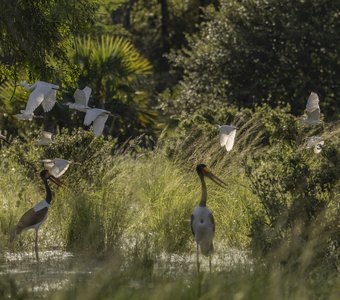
point(198, 258)
point(210, 262)
point(36, 245)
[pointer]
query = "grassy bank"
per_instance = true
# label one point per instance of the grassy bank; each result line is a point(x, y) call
point(128, 210)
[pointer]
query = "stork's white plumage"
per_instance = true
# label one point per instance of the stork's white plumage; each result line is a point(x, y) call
point(81, 98)
point(98, 117)
point(43, 93)
point(202, 220)
point(227, 136)
point(312, 116)
point(56, 167)
point(46, 138)
point(315, 142)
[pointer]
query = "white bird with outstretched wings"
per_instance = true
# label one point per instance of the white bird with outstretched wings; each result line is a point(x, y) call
point(315, 142)
point(312, 116)
point(227, 136)
point(98, 117)
point(43, 93)
point(56, 167)
point(81, 98)
point(46, 138)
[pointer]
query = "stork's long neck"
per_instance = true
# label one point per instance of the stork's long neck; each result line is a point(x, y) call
point(203, 201)
point(48, 192)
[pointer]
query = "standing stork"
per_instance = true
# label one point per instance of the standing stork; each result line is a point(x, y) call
point(34, 217)
point(202, 220)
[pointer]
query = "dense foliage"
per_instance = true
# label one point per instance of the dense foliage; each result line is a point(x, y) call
point(262, 51)
point(170, 71)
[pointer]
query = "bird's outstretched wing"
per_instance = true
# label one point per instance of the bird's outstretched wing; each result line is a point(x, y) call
point(230, 143)
point(312, 102)
point(49, 101)
point(92, 114)
point(82, 96)
point(99, 123)
point(227, 136)
point(34, 100)
point(28, 219)
point(60, 167)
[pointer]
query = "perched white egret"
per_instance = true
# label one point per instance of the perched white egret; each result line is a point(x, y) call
point(98, 117)
point(43, 93)
point(312, 116)
point(57, 166)
point(315, 142)
point(34, 217)
point(202, 220)
point(81, 98)
point(46, 138)
point(227, 136)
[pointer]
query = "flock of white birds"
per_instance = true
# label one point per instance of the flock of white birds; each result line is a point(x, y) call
point(312, 117)
point(44, 94)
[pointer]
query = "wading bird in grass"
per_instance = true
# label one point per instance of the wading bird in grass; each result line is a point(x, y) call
point(34, 217)
point(227, 136)
point(46, 138)
point(315, 142)
point(98, 117)
point(56, 167)
point(81, 98)
point(312, 116)
point(43, 93)
point(202, 220)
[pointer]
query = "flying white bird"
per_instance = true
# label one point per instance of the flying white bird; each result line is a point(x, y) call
point(98, 117)
point(34, 217)
point(227, 136)
point(202, 220)
point(43, 93)
point(56, 167)
point(46, 138)
point(81, 98)
point(315, 142)
point(312, 116)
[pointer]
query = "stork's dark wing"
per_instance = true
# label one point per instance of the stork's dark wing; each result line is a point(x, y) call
point(192, 228)
point(30, 218)
point(212, 221)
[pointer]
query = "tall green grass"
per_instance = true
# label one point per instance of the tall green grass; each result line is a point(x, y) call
point(129, 209)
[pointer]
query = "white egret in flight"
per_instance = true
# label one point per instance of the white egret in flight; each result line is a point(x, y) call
point(81, 98)
point(227, 136)
point(315, 142)
point(98, 117)
point(312, 116)
point(43, 93)
point(202, 220)
point(57, 166)
point(46, 138)
point(34, 217)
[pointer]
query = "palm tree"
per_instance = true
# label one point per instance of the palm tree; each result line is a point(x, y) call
point(112, 67)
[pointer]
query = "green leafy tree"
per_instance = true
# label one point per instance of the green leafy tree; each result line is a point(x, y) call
point(263, 51)
point(36, 35)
